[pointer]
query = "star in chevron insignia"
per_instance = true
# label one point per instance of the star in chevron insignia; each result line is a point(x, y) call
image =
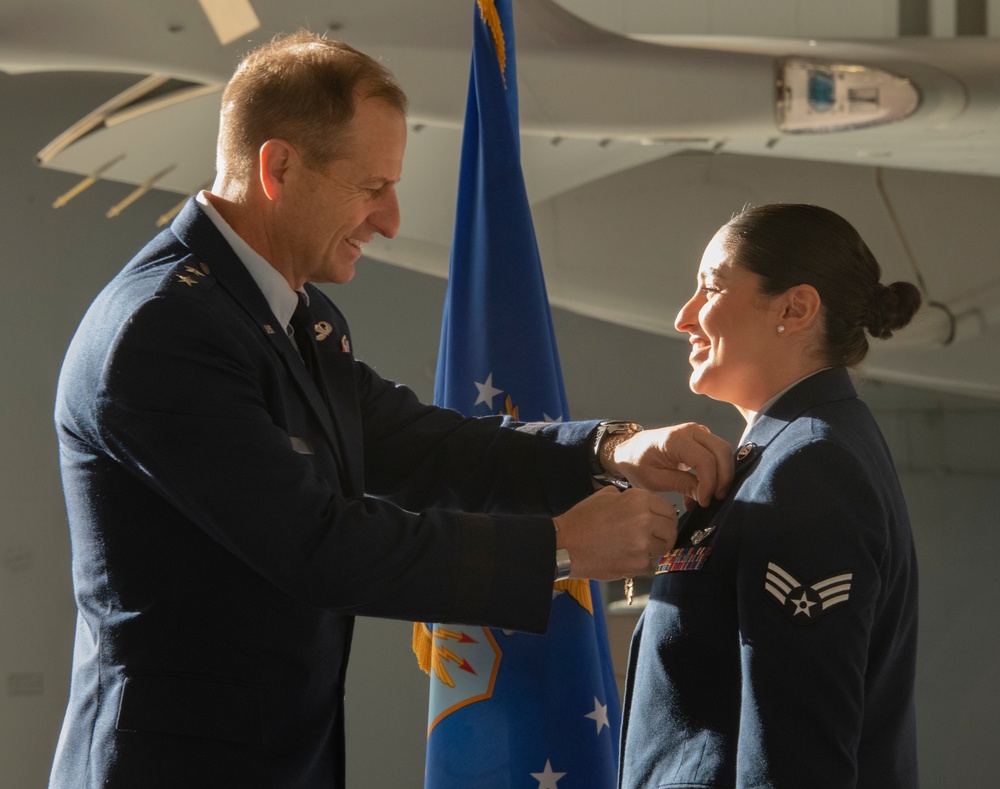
point(547, 779)
point(487, 392)
point(806, 605)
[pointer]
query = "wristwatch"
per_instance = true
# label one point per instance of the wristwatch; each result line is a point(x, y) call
point(611, 434)
point(562, 564)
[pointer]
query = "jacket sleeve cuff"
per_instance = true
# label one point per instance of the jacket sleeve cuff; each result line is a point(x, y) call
point(507, 572)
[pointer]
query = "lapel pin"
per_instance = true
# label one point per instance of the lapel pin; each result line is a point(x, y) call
point(323, 330)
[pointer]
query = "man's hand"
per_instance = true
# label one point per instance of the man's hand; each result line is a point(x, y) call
point(614, 533)
point(664, 459)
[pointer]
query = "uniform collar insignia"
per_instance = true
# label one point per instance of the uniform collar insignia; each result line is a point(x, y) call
point(323, 330)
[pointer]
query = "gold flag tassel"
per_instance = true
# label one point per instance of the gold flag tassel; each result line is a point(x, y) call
point(579, 590)
point(488, 11)
point(423, 643)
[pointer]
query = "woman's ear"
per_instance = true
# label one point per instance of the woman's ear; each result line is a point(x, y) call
point(275, 159)
point(801, 308)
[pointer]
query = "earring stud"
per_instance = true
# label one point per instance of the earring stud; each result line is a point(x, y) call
point(781, 328)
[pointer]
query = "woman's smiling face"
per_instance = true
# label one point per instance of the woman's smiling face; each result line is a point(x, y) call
point(733, 330)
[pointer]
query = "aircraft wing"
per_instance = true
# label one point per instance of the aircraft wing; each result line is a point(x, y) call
point(635, 148)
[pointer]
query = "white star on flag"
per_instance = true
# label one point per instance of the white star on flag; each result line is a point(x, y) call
point(487, 392)
point(547, 779)
point(600, 715)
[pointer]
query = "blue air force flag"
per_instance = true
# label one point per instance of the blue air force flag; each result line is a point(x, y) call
point(510, 709)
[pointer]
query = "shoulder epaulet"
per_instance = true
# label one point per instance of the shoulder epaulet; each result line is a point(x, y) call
point(189, 274)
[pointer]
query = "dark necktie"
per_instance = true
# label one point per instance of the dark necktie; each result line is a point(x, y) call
point(302, 332)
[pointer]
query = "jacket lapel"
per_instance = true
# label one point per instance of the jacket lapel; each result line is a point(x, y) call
point(196, 231)
point(337, 366)
point(701, 519)
point(823, 387)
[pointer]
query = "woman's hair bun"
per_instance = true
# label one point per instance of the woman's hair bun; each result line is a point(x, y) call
point(893, 306)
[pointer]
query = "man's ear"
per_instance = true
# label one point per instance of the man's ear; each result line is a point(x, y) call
point(801, 307)
point(276, 157)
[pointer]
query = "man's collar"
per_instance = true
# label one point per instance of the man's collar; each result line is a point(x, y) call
point(280, 297)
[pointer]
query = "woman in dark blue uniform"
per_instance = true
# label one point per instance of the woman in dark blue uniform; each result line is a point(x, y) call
point(778, 645)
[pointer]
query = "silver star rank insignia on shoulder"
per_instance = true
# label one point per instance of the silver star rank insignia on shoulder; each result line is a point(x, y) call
point(191, 275)
point(804, 604)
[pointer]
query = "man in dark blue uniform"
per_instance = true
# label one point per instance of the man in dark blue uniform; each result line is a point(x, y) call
point(239, 486)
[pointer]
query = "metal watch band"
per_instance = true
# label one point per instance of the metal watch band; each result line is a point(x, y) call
point(562, 564)
point(603, 429)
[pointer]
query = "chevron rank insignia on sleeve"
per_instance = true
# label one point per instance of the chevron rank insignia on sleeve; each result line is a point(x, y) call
point(806, 605)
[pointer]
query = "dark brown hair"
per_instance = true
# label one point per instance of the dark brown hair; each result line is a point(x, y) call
point(793, 244)
point(300, 88)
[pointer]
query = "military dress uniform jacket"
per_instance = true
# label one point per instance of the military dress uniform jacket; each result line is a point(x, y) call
point(778, 645)
point(229, 518)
